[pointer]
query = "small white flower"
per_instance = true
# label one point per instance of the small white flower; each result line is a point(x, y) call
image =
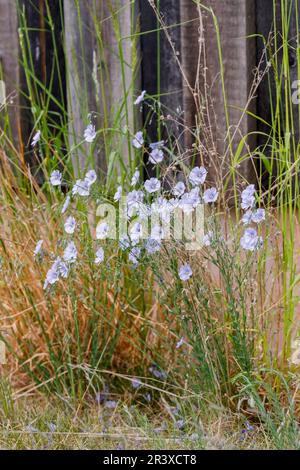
point(140, 98)
point(143, 211)
point(66, 204)
point(56, 178)
point(207, 238)
point(124, 242)
point(156, 156)
point(91, 177)
point(138, 140)
point(134, 255)
point(250, 240)
point(70, 253)
point(135, 178)
point(134, 209)
point(194, 194)
point(118, 194)
point(180, 343)
point(248, 198)
point(36, 138)
point(152, 185)
point(99, 256)
point(248, 202)
point(75, 187)
point(53, 274)
point(179, 189)
point(186, 204)
point(136, 231)
point(90, 133)
point(256, 217)
point(38, 247)
point(259, 216)
point(134, 201)
point(247, 218)
point(102, 231)
point(157, 145)
point(162, 207)
point(136, 384)
point(190, 201)
point(63, 269)
point(198, 176)
point(152, 246)
point(111, 404)
point(70, 225)
point(185, 272)
point(57, 270)
point(157, 233)
point(249, 191)
point(134, 241)
point(81, 187)
point(210, 195)
point(135, 197)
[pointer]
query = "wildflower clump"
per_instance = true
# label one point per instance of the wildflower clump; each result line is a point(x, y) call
point(162, 238)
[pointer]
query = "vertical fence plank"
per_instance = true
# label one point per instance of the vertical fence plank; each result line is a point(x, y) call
point(161, 76)
point(265, 32)
point(9, 64)
point(236, 19)
point(190, 28)
point(149, 63)
point(160, 73)
point(98, 40)
point(80, 45)
point(267, 93)
point(121, 56)
point(170, 86)
point(43, 21)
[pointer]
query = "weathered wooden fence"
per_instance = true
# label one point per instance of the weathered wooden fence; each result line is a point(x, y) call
point(169, 60)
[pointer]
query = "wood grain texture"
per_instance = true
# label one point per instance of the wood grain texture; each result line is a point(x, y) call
point(44, 44)
point(236, 20)
point(170, 76)
point(161, 75)
point(189, 57)
point(96, 83)
point(160, 72)
point(80, 45)
point(267, 89)
point(119, 25)
point(9, 61)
